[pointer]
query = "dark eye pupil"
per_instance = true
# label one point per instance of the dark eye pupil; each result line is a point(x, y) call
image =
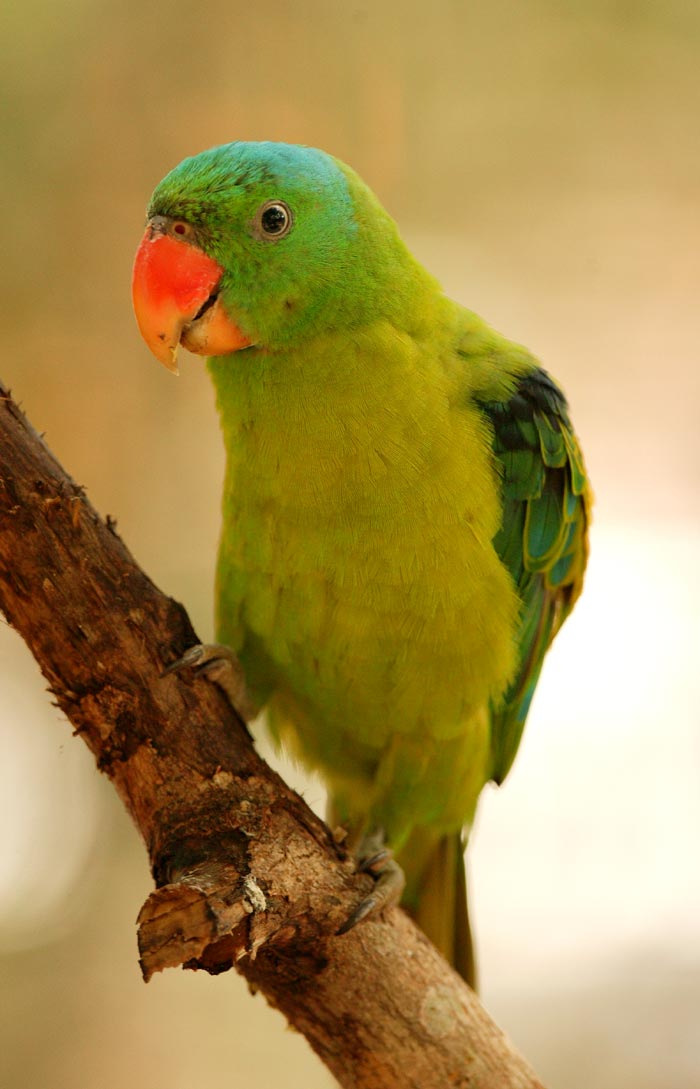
point(274, 219)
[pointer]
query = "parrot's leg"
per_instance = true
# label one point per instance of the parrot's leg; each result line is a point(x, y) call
point(219, 664)
point(375, 858)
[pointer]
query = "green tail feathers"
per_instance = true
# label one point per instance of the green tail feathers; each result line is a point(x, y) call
point(438, 905)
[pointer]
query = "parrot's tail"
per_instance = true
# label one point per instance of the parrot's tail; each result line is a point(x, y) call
point(439, 905)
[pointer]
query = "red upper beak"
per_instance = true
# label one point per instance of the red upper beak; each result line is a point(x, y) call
point(175, 295)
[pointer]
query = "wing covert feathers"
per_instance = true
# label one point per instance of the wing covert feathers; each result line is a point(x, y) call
point(543, 535)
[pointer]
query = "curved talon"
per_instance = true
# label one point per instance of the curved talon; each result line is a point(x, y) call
point(189, 660)
point(376, 862)
point(219, 664)
point(388, 877)
point(363, 909)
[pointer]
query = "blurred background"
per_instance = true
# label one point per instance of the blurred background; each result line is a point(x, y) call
point(543, 161)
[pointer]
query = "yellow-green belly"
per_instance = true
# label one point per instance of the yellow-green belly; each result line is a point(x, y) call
point(358, 582)
point(384, 646)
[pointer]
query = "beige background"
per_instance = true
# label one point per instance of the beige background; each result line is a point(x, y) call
point(543, 160)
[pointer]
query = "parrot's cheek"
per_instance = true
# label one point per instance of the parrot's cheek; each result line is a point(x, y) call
point(176, 299)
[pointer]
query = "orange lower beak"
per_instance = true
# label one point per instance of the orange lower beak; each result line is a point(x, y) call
point(175, 295)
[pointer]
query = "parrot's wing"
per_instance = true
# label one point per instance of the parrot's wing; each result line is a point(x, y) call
point(543, 536)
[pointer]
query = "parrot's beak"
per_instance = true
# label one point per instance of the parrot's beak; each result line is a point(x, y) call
point(175, 289)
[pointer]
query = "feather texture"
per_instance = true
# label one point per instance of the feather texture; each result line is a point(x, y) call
point(543, 535)
point(405, 508)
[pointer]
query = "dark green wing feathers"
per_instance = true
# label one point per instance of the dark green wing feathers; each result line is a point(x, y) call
point(543, 536)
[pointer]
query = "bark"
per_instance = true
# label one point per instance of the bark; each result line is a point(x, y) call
point(246, 875)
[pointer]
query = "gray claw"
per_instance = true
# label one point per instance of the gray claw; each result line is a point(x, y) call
point(189, 660)
point(388, 877)
point(219, 664)
point(364, 908)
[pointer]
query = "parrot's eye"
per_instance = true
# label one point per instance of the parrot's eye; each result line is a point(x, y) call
point(273, 220)
point(180, 229)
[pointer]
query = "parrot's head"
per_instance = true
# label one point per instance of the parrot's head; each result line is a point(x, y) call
point(262, 245)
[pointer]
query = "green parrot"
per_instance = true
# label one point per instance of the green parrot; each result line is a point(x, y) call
point(405, 505)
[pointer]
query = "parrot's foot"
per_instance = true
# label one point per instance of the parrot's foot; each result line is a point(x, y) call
point(218, 664)
point(375, 858)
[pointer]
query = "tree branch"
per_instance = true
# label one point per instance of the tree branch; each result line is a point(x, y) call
point(247, 875)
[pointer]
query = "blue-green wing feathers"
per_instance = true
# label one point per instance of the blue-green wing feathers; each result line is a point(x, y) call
point(543, 535)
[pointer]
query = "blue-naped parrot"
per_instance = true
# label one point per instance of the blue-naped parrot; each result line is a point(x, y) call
point(405, 506)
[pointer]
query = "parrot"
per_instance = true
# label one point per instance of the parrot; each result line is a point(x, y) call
point(405, 508)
